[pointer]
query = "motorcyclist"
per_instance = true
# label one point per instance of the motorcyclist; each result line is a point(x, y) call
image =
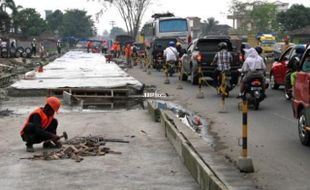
point(223, 59)
point(180, 50)
point(170, 53)
point(253, 67)
point(292, 65)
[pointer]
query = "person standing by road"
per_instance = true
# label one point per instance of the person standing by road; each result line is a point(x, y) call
point(58, 44)
point(128, 55)
point(41, 126)
point(34, 47)
point(223, 59)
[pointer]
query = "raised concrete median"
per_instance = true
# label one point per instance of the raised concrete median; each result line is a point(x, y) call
point(209, 169)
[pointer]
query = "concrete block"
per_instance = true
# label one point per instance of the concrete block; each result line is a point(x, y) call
point(67, 97)
point(245, 164)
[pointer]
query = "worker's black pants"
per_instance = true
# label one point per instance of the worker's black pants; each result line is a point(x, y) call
point(35, 135)
point(34, 51)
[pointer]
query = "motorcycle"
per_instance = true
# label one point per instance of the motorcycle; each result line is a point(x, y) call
point(225, 83)
point(255, 92)
point(159, 62)
point(4, 52)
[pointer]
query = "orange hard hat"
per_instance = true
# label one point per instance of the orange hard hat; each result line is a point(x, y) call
point(54, 103)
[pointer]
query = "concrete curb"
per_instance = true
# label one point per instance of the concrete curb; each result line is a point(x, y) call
point(204, 176)
point(200, 171)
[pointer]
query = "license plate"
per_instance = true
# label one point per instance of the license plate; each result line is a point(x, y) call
point(256, 88)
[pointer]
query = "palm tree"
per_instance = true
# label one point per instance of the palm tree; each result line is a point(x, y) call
point(10, 4)
point(209, 24)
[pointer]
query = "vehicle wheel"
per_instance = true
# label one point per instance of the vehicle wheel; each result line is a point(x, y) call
point(304, 135)
point(273, 83)
point(256, 104)
point(19, 52)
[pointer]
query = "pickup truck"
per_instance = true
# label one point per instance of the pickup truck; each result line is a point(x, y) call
point(301, 102)
point(202, 51)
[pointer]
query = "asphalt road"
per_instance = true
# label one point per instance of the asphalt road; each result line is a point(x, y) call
point(280, 161)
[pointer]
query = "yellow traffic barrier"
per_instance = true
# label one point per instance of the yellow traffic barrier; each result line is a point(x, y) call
point(245, 163)
point(200, 94)
point(222, 91)
point(180, 76)
point(166, 73)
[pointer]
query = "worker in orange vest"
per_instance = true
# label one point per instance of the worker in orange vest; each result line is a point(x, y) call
point(128, 54)
point(41, 126)
point(89, 46)
point(118, 49)
point(114, 49)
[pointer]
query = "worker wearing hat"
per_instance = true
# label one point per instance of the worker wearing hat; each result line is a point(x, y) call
point(41, 126)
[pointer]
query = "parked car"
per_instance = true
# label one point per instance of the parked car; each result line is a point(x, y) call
point(301, 102)
point(202, 51)
point(279, 67)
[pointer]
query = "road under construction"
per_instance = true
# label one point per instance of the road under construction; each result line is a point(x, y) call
point(162, 150)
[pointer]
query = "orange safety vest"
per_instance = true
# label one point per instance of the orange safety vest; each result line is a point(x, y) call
point(45, 121)
point(128, 52)
point(118, 47)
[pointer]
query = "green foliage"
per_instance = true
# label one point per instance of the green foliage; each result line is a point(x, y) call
point(116, 31)
point(264, 17)
point(260, 15)
point(55, 20)
point(30, 23)
point(209, 25)
point(77, 23)
point(298, 16)
point(5, 22)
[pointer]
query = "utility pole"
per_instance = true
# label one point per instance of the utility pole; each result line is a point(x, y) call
point(112, 23)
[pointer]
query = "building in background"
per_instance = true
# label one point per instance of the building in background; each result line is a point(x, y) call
point(195, 26)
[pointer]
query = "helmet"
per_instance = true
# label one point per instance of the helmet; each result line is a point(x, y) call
point(54, 103)
point(178, 44)
point(34, 39)
point(300, 49)
point(171, 44)
point(259, 50)
point(222, 45)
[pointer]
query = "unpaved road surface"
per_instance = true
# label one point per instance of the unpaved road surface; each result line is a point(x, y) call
point(147, 162)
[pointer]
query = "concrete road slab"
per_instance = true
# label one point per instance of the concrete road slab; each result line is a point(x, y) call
point(147, 162)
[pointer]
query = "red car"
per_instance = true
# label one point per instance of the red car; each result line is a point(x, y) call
point(301, 102)
point(279, 68)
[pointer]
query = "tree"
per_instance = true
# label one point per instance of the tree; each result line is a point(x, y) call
point(260, 15)
point(77, 23)
point(9, 17)
point(264, 17)
point(5, 22)
point(116, 31)
point(296, 17)
point(209, 25)
point(131, 11)
point(30, 23)
point(55, 20)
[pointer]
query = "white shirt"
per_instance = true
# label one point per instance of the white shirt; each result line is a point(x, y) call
point(171, 54)
point(253, 62)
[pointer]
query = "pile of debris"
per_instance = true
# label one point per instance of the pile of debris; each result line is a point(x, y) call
point(79, 147)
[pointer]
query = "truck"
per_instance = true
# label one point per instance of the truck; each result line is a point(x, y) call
point(266, 42)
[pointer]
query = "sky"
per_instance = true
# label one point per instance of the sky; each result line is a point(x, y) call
point(183, 8)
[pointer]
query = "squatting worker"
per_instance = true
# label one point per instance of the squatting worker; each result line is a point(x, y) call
point(41, 126)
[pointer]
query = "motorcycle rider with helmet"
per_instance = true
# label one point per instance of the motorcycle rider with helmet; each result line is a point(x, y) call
point(253, 67)
point(170, 53)
point(223, 59)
